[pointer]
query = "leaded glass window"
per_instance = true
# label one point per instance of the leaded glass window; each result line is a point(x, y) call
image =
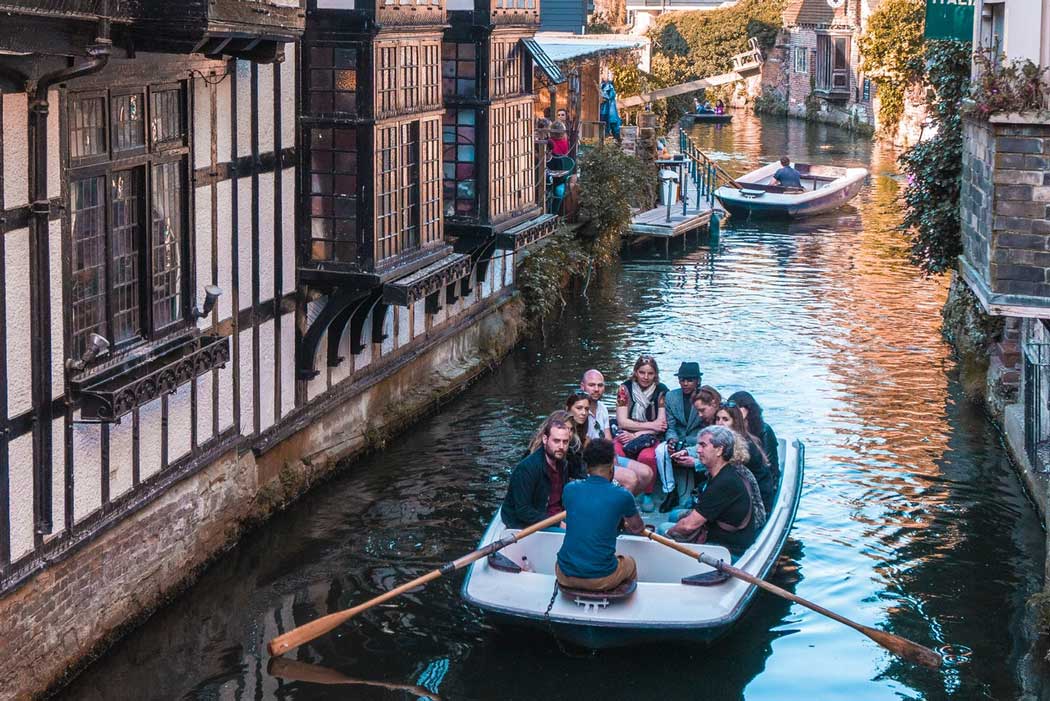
point(397, 189)
point(513, 178)
point(459, 69)
point(333, 194)
point(332, 80)
point(459, 150)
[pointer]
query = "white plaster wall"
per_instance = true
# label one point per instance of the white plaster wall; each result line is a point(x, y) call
point(364, 358)
point(267, 374)
point(58, 349)
point(87, 470)
point(16, 150)
point(149, 440)
point(267, 99)
point(247, 383)
point(1022, 25)
point(345, 368)
point(201, 123)
point(389, 331)
point(244, 108)
point(404, 326)
point(345, 4)
point(267, 259)
point(508, 269)
point(440, 315)
point(202, 226)
point(19, 361)
point(58, 478)
point(244, 242)
point(180, 423)
point(288, 97)
point(486, 283)
point(225, 252)
point(288, 230)
point(226, 398)
point(318, 384)
point(287, 363)
point(205, 395)
point(121, 457)
point(223, 110)
point(419, 316)
point(20, 485)
point(54, 157)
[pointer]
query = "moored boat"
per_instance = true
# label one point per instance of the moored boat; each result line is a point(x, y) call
point(662, 607)
point(709, 117)
point(823, 188)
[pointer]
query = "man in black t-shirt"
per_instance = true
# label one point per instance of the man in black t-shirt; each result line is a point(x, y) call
point(725, 506)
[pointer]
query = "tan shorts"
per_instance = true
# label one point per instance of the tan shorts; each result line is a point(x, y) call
point(625, 571)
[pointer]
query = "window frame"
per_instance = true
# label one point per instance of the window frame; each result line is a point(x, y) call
point(143, 161)
point(800, 64)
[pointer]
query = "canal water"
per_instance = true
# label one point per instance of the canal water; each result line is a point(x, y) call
point(911, 519)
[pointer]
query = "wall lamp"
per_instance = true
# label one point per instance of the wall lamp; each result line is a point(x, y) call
point(211, 296)
point(96, 346)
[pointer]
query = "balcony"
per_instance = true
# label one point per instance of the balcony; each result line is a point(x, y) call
point(1005, 214)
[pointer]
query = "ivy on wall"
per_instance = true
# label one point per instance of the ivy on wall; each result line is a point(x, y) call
point(934, 166)
point(893, 48)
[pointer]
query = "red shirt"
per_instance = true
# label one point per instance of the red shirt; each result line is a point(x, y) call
point(560, 147)
point(554, 505)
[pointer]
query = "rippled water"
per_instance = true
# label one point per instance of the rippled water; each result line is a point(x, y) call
point(911, 518)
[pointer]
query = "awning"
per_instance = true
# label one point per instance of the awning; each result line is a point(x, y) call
point(541, 59)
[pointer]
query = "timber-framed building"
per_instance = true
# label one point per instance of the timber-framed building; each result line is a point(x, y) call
point(231, 233)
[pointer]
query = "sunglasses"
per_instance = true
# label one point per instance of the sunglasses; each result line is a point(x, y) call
point(729, 404)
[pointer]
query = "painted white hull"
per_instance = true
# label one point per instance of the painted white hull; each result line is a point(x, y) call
point(662, 608)
point(833, 188)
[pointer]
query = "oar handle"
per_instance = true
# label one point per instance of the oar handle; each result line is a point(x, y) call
point(314, 629)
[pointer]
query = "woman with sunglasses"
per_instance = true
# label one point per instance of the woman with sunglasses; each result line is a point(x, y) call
point(758, 427)
point(730, 416)
point(629, 474)
point(641, 417)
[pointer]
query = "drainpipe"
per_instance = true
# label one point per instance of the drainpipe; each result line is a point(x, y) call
point(40, 267)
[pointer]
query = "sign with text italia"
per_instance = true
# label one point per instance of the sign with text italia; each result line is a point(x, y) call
point(949, 19)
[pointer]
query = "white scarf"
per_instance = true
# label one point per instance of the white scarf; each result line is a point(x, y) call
point(642, 399)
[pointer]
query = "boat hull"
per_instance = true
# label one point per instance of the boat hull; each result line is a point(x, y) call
point(661, 610)
point(755, 202)
point(710, 118)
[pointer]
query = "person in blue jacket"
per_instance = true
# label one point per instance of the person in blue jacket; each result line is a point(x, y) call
point(608, 113)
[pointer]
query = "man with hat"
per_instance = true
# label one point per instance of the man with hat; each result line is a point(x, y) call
point(683, 426)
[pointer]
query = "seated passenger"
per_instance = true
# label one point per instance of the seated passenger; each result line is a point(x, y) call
point(786, 176)
point(720, 107)
point(683, 424)
point(755, 459)
point(706, 402)
point(587, 558)
point(559, 140)
point(536, 483)
point(640, 415)
point(757, 426)
point(729, 512)
point(626, 471)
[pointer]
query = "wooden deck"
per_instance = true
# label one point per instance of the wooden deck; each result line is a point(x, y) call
point(655, 224)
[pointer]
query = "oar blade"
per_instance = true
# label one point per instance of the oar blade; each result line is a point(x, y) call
point(904, 648)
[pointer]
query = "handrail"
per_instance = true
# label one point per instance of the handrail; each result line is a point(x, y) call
point(707, 175)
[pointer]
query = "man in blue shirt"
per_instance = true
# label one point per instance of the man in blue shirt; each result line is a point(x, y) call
point(595, 507)
point(786, 176)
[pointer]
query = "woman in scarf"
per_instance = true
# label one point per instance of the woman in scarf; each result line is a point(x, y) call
point(640, 416)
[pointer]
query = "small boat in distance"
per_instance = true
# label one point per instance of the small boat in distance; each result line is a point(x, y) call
point(823, 188)
point(674, 597)
point(709, 117)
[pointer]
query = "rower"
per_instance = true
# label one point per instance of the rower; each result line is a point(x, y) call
point(786, 176)
point(594, 510)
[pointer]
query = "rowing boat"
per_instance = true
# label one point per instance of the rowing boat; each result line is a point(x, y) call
point(709, 117)
point(675, 598)
point(823, 188)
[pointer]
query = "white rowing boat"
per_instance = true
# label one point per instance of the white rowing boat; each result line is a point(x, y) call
point(661, 607)
point(823, 188)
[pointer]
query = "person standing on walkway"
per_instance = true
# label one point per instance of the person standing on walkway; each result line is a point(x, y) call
point(595, 508)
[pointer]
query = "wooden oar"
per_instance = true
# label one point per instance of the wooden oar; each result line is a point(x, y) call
point(314, 629)
point(901, 647)
point(296, 671)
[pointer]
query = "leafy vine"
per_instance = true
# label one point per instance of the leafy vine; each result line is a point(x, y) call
point(893, 47)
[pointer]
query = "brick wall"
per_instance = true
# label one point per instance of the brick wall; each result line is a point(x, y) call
point(1005, 206)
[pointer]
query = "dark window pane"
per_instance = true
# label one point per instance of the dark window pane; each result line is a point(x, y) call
point(129, 126)
point(166, 245)
point(87, 131)
point(321, 80)
point(126, 198)
point(345, 58)
point(166, 123)
point(87, 222)
point(320, 102)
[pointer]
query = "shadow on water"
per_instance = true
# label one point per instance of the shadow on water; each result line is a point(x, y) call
point(911, 519)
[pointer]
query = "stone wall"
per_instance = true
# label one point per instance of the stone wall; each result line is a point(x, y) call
point(1005, 208)
point(59, 619)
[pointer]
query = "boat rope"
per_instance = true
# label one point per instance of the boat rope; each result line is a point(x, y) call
point(591, 652)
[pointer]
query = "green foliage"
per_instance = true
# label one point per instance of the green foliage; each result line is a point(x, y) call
point(934, 166)
point(770, 102)
point(546, 271)
point(611, 182)
point(1006, 86)
point(693, 45)
point(893, 47)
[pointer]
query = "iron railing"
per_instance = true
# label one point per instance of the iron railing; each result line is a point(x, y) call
point(706, 175)
point(1036, 362)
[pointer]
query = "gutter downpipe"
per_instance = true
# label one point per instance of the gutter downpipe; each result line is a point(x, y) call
point(40, 269)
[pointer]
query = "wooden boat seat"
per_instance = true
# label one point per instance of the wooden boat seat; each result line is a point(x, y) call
point(623, 591)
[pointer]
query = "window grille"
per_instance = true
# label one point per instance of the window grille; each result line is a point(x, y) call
point(333, 194)
point(459, 69)
point(127, 283)
point(507, 68)
point(397, 190)
point(513, 176)
point(459, 139)
point(801, 59)
point(409, 83)
point(386, 78)
point(332, 80)
point(430, 78)
point(430, 143)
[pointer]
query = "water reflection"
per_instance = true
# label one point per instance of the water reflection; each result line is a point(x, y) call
point(911, 519)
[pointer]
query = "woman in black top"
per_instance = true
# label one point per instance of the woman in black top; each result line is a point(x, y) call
point(730, 416)
point(756, 426)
